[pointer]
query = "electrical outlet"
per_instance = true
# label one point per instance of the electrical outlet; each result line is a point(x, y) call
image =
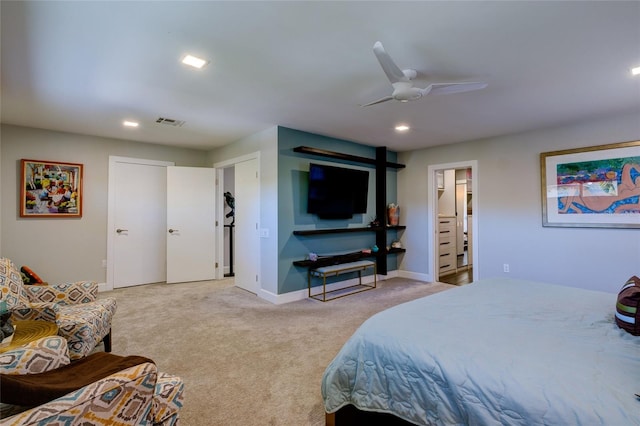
point(505, 267)
point(104, 263)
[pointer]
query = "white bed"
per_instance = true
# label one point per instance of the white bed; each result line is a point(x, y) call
point(497, 352)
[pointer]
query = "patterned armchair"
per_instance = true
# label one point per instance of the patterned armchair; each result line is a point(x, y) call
point(82, 319)
point(137, 395)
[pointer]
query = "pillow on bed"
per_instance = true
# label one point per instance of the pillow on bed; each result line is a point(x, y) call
point(628, 306)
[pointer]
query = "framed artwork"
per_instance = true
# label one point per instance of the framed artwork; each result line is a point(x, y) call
point(50, 189)
point(592, 187)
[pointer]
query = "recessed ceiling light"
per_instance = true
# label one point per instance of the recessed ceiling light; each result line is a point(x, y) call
point(128, 123)
point(635, 71)
point(402, 128)
point(195, 62)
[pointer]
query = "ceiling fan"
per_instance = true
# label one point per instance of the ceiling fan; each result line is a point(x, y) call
point(402, 83)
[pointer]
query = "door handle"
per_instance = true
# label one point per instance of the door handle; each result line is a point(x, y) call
point(120, 231)
point(171, 231)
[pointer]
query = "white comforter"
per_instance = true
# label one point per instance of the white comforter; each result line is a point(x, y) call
point(497, 352)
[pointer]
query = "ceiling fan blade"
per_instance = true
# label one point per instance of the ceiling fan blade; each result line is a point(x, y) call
point(394, 74)
point(448, 88)
point(385, 99)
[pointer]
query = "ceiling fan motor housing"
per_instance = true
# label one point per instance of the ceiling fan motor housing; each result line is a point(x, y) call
point(404, 92)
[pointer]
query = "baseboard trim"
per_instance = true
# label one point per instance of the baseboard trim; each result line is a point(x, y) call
point(415, 276)
point(294, 296)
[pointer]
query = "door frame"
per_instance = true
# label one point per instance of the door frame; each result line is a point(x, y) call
point(111, 212)
point(432, 221)
point(220, 166)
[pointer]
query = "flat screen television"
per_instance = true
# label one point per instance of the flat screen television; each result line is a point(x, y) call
point(337, 192)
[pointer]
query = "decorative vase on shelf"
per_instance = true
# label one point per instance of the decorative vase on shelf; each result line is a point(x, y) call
point(393, 214)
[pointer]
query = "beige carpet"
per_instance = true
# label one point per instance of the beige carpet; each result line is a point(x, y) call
point(245, 361)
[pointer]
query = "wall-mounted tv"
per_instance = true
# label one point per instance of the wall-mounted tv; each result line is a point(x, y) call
point(337, 192)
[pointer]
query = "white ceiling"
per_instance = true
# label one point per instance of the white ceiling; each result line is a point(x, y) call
point(84, 67)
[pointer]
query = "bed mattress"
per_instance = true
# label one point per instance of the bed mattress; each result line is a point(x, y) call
point(496, 352)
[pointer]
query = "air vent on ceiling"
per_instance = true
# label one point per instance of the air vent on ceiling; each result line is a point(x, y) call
point(170, 122)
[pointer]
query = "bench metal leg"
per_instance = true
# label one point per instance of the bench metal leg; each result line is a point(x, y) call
point(324, 275)
point(324, 288)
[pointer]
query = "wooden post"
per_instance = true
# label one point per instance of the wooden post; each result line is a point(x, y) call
point(381, 207)
point(330, 419)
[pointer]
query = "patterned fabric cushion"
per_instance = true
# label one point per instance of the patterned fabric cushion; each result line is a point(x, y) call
point(82, 319)
point(123, 398)
point(35, 357)
point(628, 306)
point(40, 388)
point(85, 325)
point(11, 288)
point(167, 400)
point(138, 395)
point(108, 304)
point(67, 293)
point(38, 312)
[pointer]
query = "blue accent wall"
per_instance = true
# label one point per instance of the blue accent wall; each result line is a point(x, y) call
point(293, 171)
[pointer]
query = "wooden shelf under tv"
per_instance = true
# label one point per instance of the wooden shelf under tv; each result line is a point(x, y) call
point(344, 230)
point(345, 258)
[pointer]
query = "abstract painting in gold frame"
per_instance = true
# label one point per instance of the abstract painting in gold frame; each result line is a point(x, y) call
point(50, 189)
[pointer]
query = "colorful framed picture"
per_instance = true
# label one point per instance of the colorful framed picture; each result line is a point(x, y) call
point(50, 189)
point(592, 187)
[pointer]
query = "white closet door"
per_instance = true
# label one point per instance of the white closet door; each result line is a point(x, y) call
point(190, 224)
point(142, 197)
point(247, 235)
point(138, 228)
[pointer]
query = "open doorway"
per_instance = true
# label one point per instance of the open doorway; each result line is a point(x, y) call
point(229, 224)
point(460, 181)
point(453, 201)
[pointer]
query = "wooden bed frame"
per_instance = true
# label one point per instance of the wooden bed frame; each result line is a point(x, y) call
point(351, 416)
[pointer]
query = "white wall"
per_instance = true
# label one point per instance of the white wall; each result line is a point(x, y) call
point(510, 209)
point(266, 142)
point(65, 249)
